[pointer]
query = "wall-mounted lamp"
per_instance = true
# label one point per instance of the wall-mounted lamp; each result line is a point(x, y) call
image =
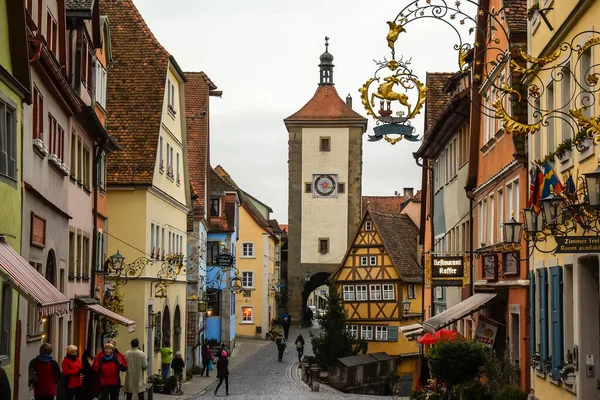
point(152, 320)
point(406, 306)
point(209, 313)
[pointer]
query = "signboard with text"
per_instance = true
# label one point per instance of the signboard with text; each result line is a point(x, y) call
point(447, 270)
point(225, 260)
point(577, 244)
point(38, 231)
point(486, 333)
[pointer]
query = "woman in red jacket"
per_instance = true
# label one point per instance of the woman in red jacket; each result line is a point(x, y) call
point(108, 365)
point(71, 367)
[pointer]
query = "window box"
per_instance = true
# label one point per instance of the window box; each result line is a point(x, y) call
point(584, 144)
point(171, 110)
point(563, 158)
point(40, 148)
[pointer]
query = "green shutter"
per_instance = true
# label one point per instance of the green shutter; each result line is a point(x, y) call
point(532, 324)
point(543, 318)
point(392, 333)
point(556, 320)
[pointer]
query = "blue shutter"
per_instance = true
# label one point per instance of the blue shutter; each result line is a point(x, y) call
point(543, 319)
point(392, 333)
point(532, 321)
point(556, 318)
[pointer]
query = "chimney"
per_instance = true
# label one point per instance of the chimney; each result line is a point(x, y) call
point(408, 193)
point(395, 193)
point(349, 100)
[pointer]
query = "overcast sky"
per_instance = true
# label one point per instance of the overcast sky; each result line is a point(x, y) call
point(264, 56)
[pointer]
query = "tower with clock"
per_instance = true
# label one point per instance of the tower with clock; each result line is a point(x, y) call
point(325, 184)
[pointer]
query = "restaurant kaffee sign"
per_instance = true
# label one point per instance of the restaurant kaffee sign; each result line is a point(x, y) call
point(447, 270)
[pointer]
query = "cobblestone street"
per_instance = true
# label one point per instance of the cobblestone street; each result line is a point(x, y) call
point(261, 376)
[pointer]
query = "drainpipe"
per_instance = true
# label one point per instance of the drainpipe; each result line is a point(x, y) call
point(96, 156)
point(471, 198)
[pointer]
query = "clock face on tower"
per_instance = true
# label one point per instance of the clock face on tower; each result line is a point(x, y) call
point(324, 185)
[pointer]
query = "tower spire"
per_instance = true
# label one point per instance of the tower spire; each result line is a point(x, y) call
point(326, 66)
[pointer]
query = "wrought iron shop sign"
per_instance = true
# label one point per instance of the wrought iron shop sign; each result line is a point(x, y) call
point(577, 244)
point(225, 260)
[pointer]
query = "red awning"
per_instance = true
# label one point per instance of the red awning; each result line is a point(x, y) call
point(30, 283)
point(98, 309)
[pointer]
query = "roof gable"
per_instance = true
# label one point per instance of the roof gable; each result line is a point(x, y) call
point(383, 203)
point(135, 92)
point(326, 106)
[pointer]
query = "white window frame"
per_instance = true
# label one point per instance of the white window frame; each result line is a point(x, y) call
point(366, 332)
point(248, 250)
point(368, 225)
point(375, 292)
point(353, 329)
point(242, 318)
point(364, 261)
point(372, 260)
point(361, 293)
point(248, 279)
point(411, 291)
point(388, 291)
point(348, 291)
point(381, 332)
point(100, 84)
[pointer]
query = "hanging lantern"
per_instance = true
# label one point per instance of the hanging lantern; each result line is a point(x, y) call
point(531, 221)
point(512, 231)
point(552, 207)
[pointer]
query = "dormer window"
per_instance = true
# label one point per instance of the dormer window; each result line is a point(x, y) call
point(215, 207)
point(368, 225)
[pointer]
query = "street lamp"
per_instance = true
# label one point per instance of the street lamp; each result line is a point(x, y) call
point(552, 207)
point(512, 231)
point(531, 221)
point(209, 312)
point(406, 306)
point(116, 261)
point(592, 182)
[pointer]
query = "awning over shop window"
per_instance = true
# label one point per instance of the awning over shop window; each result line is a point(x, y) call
point(462, 309)
point(410, 331)
point(30, 283)
point(98, 309)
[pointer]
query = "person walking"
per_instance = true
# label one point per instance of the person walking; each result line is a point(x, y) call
point(166, 356)
point(72, 369)
point(300, 347)
point(285, 323)
point(223, 371)
point(281, 346)
point(177, 365)
point(44, 374)
point(137, 363)
point(109, 366)
point(207, 358)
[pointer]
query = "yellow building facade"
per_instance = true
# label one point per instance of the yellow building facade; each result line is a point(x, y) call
point(564, 287)
point(255, 261)
point(379, 272)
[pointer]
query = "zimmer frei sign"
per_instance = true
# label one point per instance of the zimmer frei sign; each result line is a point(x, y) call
point(447, 270)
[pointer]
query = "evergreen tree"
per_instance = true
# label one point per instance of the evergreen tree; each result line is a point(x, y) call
point(335, 341)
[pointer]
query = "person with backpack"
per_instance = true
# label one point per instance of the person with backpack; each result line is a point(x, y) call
point(281, 346)
point(177, 366)
point(72, 370)
point(300, 347)
point(109, 365)
point(44, 374)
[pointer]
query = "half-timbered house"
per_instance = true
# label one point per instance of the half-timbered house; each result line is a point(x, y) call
point(379, 271)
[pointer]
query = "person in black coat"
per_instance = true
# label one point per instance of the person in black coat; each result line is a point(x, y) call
point(177, 365)
point(223, 371)
point(4, 385)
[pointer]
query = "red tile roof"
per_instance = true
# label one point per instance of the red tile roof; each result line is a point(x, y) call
point(135, 91)
point(436, 97)
point(196, 103)
point(382, 203)
point(516, 15)
point(417, 197)
point(399, 235)
point(326, 105)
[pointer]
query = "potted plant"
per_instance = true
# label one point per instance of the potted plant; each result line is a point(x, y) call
point(157, 383)
point(567, 374)
point(535, 359)
point(582, 140)
point(564, 150)
point(170, 384)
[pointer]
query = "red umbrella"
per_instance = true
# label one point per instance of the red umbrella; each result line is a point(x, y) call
point(427, 338)
point(446, 334)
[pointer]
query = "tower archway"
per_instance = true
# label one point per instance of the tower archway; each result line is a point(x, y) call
point(316, 280)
